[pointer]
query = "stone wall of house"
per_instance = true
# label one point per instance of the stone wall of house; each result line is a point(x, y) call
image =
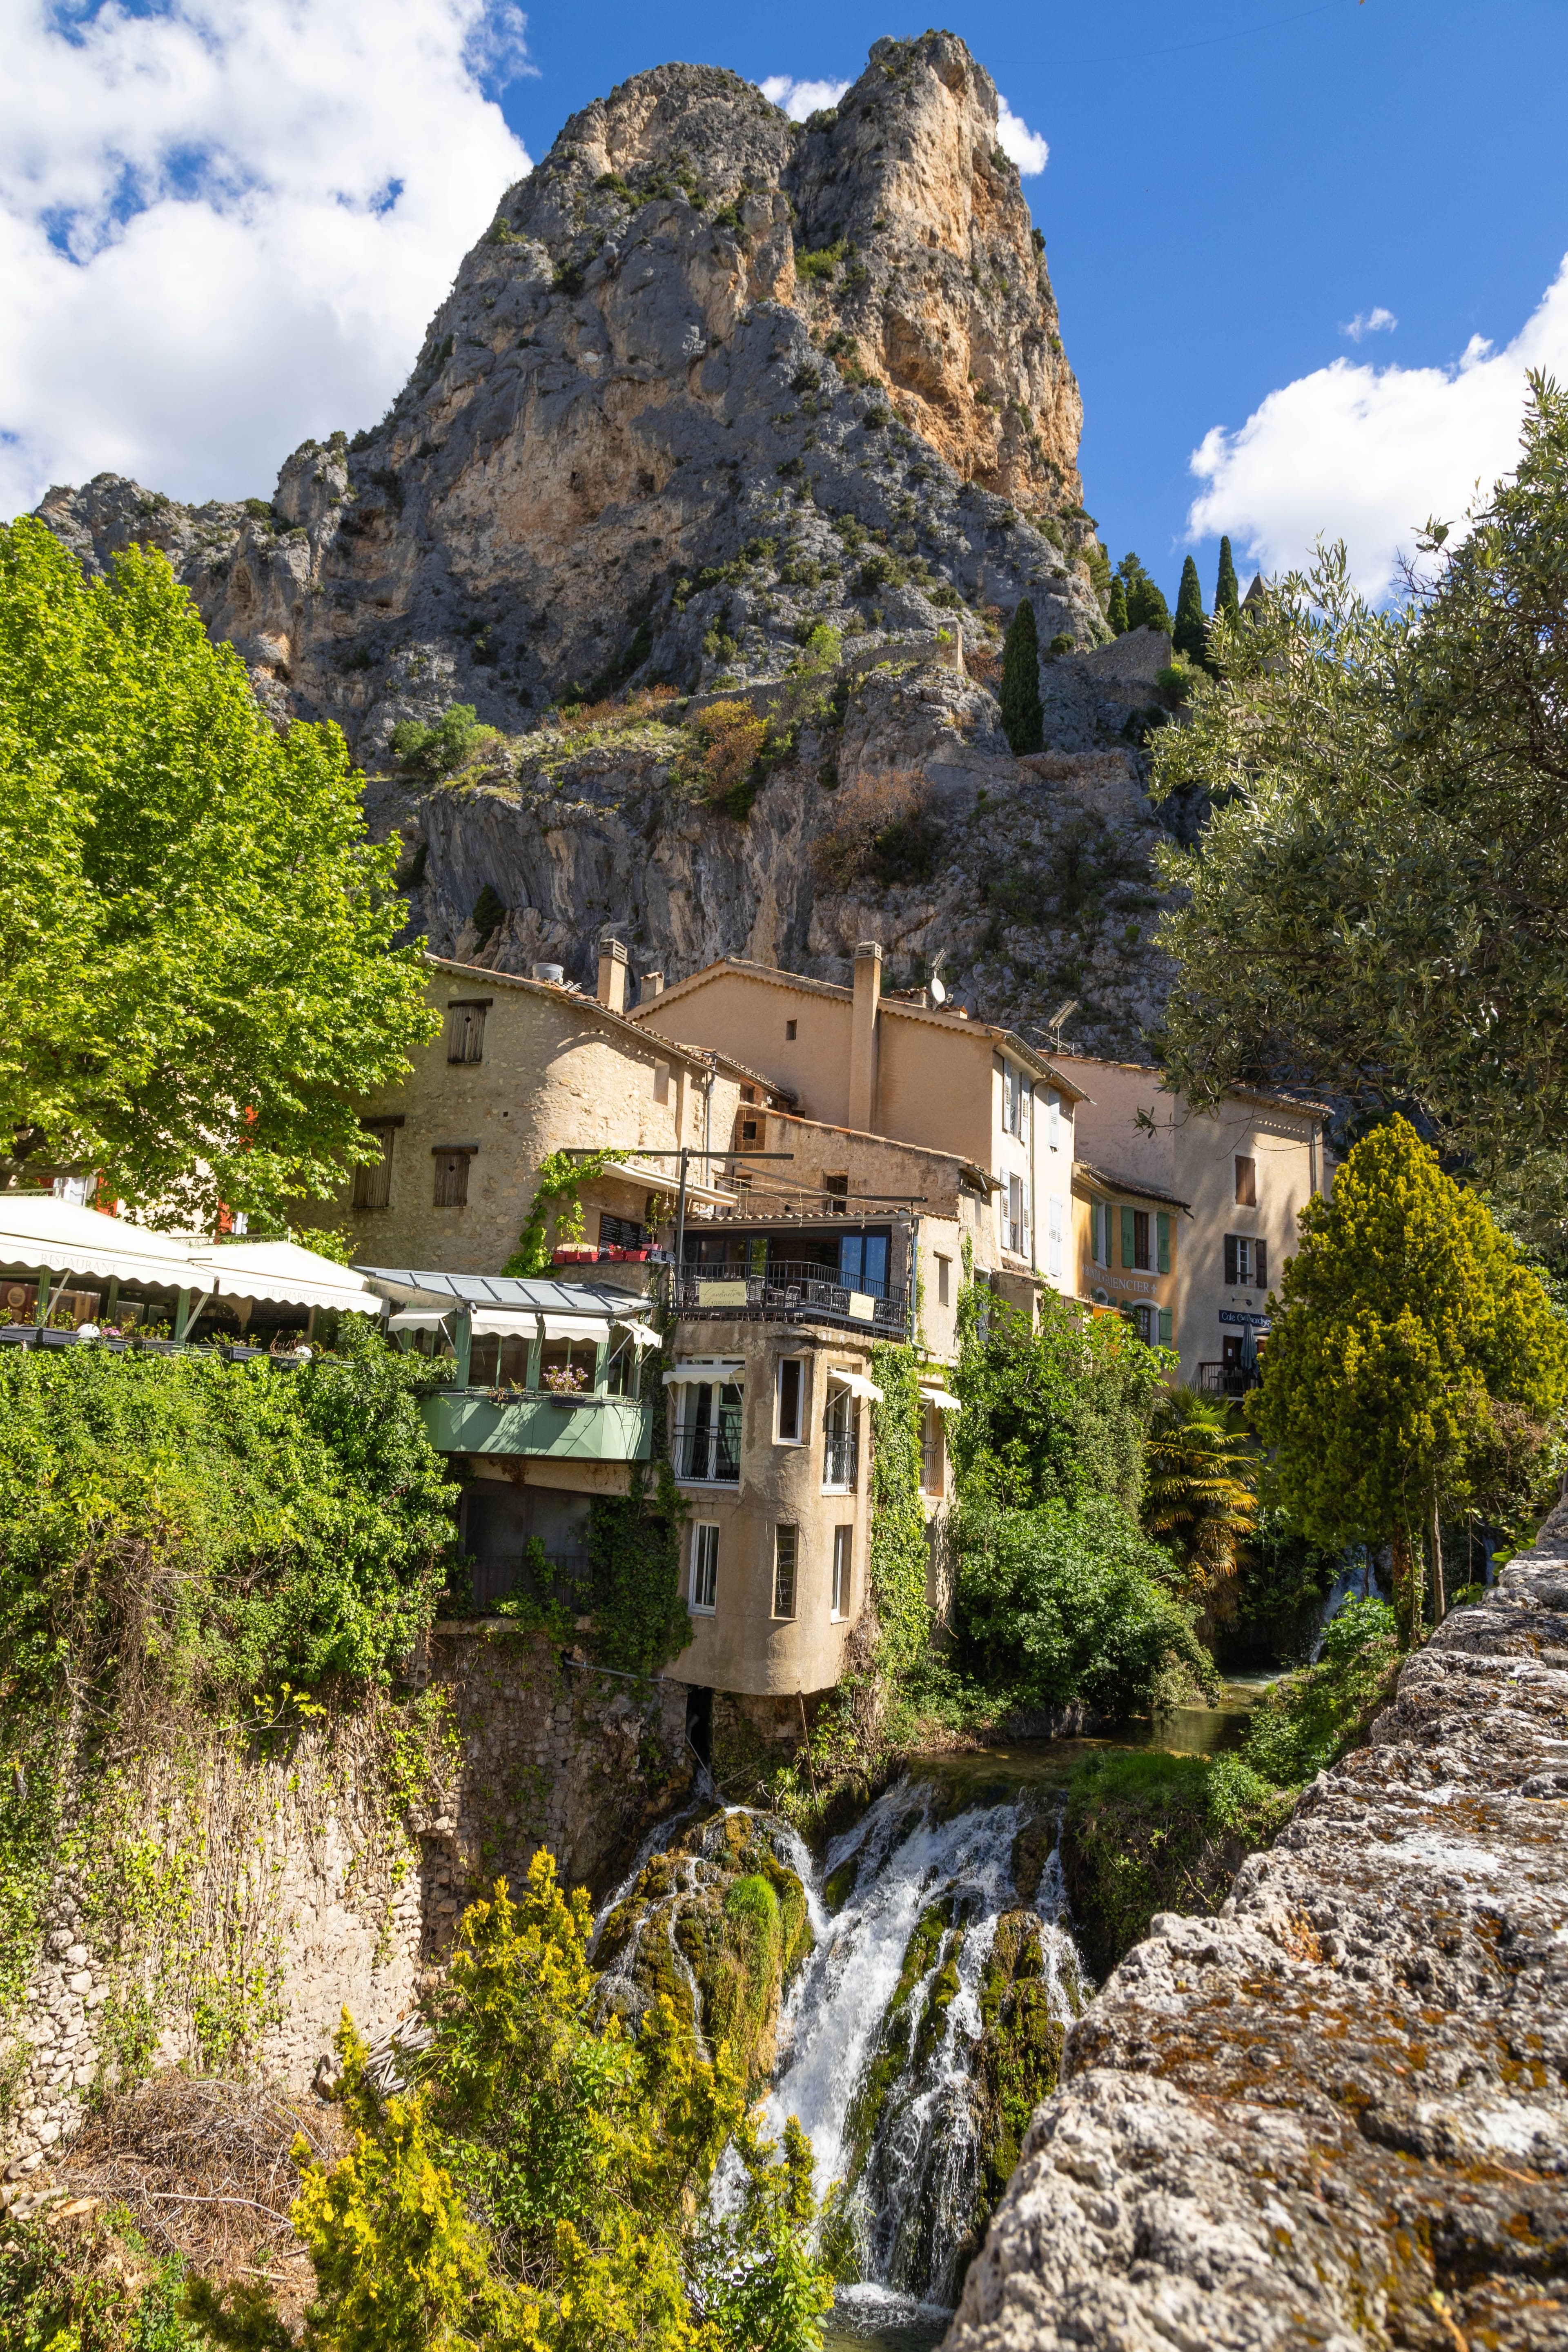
point(332, 1899)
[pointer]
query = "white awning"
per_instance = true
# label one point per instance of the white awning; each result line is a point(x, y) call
point(728, 1368)
point(943, 1398)
point(416, 1318)
point(640, 1334)
point(856, 1382)
point(500, 1323)
point(41, 1232)
point(283, 1273)
point(571, 1327)
point(668, 1179)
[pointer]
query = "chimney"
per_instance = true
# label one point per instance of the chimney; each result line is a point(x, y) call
point(612, 988)
point(863, 1036)
point(652, 986)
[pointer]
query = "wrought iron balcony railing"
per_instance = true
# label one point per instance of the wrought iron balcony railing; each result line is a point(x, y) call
point(789, 1289)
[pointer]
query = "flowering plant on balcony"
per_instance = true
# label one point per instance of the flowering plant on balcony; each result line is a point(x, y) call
point(565, 1379)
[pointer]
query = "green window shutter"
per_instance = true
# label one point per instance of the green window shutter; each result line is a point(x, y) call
point(1126, 1243)
point(1166, 1323)
point(1164, 1242)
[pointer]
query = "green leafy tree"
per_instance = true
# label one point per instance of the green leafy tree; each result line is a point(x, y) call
point(1380, 899)
point(1022, 718)
point(1146, 606)
point(199, 973)
point(1116, 610)
point(1406, 1327)
point(1227, 587)
point(1056, 1410)
point(1190, 633)
point(436, 750)
point(543, 2181)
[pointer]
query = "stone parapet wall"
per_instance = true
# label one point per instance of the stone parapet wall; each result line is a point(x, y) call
point(346, 1907)
point(1337, 2115)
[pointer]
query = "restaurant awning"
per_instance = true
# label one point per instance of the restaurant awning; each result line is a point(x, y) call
point(43, 1233)
point(282, 1273)
point(856, 1382)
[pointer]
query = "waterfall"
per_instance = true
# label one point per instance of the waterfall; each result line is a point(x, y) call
point(883, 2049)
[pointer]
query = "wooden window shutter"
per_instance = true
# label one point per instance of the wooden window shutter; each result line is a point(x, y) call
point(1230, 1258)
point(1164, 1242)
point(1260, 1264)
point(1165, 1327)
point(1129, 1244)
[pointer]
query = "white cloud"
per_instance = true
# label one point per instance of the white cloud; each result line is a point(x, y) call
point(1371, 323)
point(1366, 454)
point(224, 224)
point(1015, 137)
point(799, 98)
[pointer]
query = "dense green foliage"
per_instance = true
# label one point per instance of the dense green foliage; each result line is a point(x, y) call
point(1116, 608)
point(1052, 1412)
point(544, 2182)
point(557, 1195)
point(1190, 633)
point(1198, 1497)
point(1414, 1366)
point(433, 752)
point(634, 1574)
point(1022, 718)
point(898, 1553)
point(95, 2287)
point(1146, 606)
point(1145, 1831)
point(1381, 897)
point(1068, 1601)
point(1307, 1720)
point(1226, 588)
point(198, 978)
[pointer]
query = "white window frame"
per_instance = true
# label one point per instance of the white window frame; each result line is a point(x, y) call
point(1054, 1237)
point(943, 1280)
point(802, 1426)
point(1053, 1120)
point(786, 1528)
point(704, 1568)
point(843, 1572)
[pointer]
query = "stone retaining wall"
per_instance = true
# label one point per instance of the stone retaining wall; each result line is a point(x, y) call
point(552, 1753)
point(1336, 2114)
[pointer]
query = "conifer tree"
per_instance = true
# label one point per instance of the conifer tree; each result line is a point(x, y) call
point(1146, 606)
point(1227, 587)
point(1022, 718)
point(1115, 610)
point(1189, 634)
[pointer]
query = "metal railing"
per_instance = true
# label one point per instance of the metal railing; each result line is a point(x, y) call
point(788, 1289)
point(1227, 1379)
point(841, 1458)
point(707, 1456)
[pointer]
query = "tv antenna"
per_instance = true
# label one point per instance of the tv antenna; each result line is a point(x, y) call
point(1052, 1029)
point(938, 987)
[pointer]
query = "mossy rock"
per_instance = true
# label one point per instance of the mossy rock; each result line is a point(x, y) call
point(1032, 1849)
point(1017, 2060)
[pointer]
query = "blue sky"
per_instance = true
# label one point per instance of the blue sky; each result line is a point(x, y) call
point(1230, 187)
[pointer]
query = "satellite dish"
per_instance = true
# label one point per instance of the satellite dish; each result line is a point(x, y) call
point(938, 989)
point(938, 993)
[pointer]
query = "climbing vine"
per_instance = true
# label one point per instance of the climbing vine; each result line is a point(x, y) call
point(899, 1549)
point(634, 1551)
point(557, 1191)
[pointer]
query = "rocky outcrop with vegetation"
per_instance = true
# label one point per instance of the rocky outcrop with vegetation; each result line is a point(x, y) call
point(725, 405)
point(1335, 2113)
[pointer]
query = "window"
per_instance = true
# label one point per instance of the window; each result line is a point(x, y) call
point(785, 1541)
point(1246, 1262)
point(1016, 1237)
point(1056, 1216)
point(1246, 1183)
point(934, 1451)
point(790, 1031)
point(839, 1437)
point(838, 1191)
point(748, 1094)
point(452, 1176)
point(944, 1282)
point(1136, 1240)
point(791, 1401)
point(704, 1570)
point(1016, 1093)
point(466, 1028)
point(373, 1183)
point(748, 1130)
point(1053, 1121)
point(863, 1264)
point(843, 1560)
point(707, 1446)
point(1143, 1322)
point(661, 1082)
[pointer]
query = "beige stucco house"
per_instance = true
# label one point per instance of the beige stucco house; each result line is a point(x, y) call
point(900, 1066)
point(1233, 1181)
point(520, 1068)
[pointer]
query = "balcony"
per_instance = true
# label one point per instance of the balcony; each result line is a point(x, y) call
point(558, 1428)
point(801, 1290)
point(707, 1455)
point(1227, 1379)
point(840, 1459)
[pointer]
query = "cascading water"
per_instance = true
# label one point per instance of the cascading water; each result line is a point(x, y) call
point(929, 2012)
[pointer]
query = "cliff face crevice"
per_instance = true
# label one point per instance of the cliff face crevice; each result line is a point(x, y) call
point(1336, 2114)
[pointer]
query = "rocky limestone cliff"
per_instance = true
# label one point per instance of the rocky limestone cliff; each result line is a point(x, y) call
point(1336, 2116)
point(713, 380)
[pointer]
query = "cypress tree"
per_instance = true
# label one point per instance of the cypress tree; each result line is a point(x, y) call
point(1115, 610)
point(1226, 588)
point(1023, 720)
point(1146, 606)
point(1191, 638)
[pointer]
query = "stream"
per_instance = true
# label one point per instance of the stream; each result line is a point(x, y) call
point(927, 2019)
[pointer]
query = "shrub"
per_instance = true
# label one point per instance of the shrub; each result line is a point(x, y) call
point(726, 742)
point(1062, 643)
point(818, 267)
point(1307, 1720)
point(881, 828)
point(1145, 1831)
point(435, 751)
